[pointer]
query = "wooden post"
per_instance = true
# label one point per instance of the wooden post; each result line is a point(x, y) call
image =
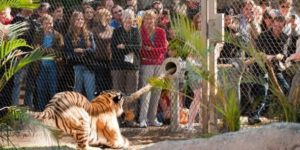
point(174, 124)
point(212, 29)
point(215, 34)
point(205, 90)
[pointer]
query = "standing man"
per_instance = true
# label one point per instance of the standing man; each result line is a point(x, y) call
point(116, 12)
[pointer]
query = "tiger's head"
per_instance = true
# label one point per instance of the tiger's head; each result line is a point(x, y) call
point(115, 98)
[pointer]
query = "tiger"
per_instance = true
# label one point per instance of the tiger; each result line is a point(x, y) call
point(90, 123)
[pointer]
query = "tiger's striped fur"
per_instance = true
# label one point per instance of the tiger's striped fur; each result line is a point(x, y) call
point(90, 123)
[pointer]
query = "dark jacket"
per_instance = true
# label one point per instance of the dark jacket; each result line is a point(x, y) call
point(103, 54)
point(87, 58)
point(103, 50)
point(268, 44)
point(132, 42)
point(229, 50)
point(28, 34)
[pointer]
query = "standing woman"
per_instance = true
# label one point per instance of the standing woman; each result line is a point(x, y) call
point(103, 33)
point(51, 43)
point(154, 47)
point(89, 16)
point(80, 47)
point(126, 45)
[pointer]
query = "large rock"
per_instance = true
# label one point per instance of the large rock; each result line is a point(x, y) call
point(277, 136)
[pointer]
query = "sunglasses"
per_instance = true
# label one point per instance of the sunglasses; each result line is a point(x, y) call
point(119, 11)
point(265, 3)
point(285, 6)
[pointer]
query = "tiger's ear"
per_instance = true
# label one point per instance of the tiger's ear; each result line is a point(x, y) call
point(117, 98)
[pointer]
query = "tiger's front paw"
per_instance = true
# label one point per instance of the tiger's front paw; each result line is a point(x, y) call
point(124, 143)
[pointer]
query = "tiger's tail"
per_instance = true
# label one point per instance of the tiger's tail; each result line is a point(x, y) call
point(46, 114)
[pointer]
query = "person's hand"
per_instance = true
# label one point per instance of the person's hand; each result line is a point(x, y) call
point(171, 33)
point(270, 57)
point(279, 56)
point(19, 53)
point(294, 57)
point(293, 23)
point(121, 46)
point(148, 48)
point(172, 53)
point(78, 50)
point(58, 59)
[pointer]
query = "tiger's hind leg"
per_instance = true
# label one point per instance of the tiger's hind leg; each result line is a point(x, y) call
point(80, 131)
point(81, 134)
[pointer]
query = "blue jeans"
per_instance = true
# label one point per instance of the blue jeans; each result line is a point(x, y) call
point(30, 79)
point(17, 85)
point(283, 83)
point(84, 80)
point(46, 83)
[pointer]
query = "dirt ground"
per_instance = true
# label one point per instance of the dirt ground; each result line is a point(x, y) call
point(138, 137)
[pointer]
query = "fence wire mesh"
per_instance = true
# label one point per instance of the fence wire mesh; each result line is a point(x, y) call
point(103, 45)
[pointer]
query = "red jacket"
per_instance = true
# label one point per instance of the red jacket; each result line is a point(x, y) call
point(5, 20)
point(155, 56)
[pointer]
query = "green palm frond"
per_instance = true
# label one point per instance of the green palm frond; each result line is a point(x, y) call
point(204, 74)
point(17, 29)
point(160, 83)
point(27, 4)
point(187, 38)
point(249, 77)
point(16, 64)
point(233, 112)
point(229, 108)
point(8, 46)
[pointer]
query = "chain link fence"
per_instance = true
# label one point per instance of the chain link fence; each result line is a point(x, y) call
point(102, 45)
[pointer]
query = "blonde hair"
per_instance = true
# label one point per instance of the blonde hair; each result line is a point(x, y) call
point(149, 14)
point(46, 17)
point(75, 33)
point(100, 15)
point(128, 14)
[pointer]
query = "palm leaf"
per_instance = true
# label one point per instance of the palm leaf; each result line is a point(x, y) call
point(8, 46)
point(27, 4)
point(187, 39)
point(17, 64)
point(160, 83)
point(17, 29)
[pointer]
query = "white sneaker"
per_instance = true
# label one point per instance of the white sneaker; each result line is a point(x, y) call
point(143, 124)
point(190, 129)
point(155, 123)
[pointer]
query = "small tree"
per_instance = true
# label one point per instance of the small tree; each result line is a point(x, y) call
point(11, 58)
